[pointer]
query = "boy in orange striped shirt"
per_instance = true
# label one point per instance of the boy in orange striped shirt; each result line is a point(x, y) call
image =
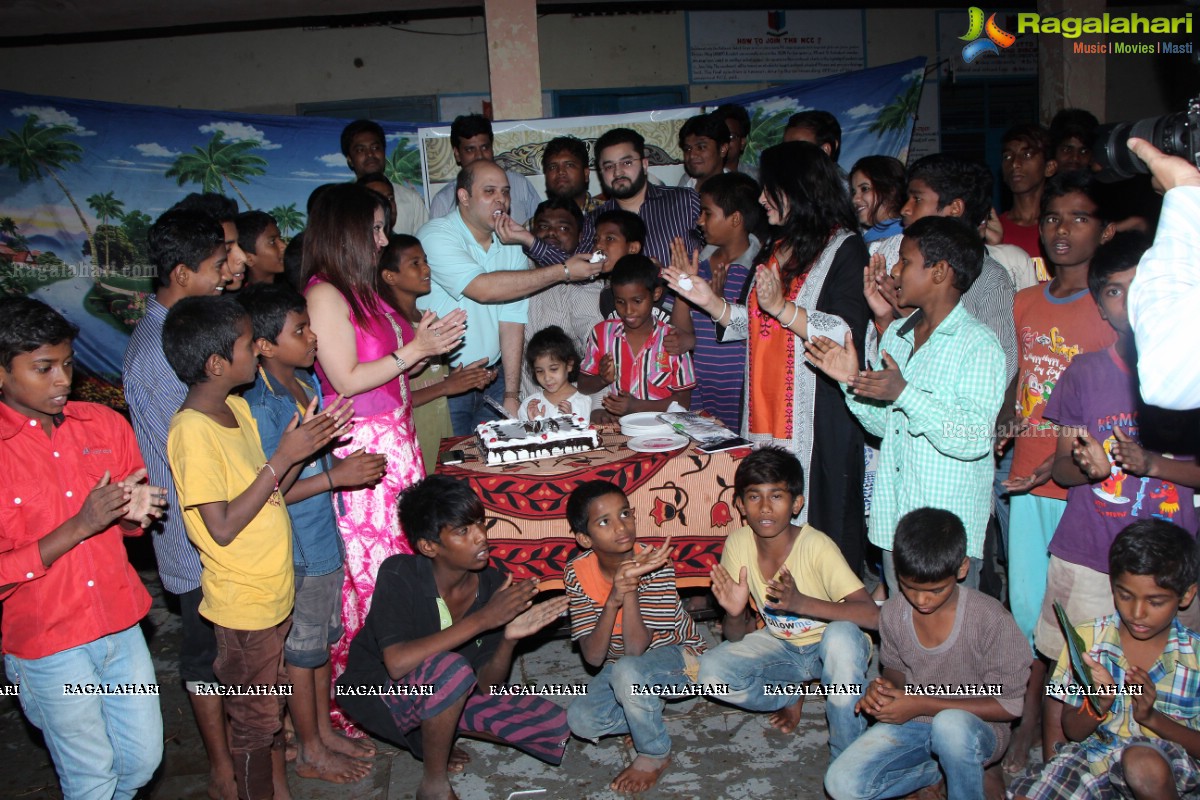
point(627, 617)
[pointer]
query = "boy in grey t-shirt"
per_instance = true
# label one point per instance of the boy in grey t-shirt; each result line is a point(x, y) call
point(954, 670)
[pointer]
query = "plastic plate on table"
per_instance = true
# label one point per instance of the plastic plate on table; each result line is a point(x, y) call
point(644, 423)
point(663, 443)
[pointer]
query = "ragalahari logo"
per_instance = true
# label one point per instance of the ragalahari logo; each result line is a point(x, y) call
point(996, 37)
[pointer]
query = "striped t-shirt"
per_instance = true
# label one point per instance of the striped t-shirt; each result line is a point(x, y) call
point(650, 374)
point(662, 612)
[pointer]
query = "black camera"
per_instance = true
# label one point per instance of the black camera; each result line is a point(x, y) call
point(1175, 134)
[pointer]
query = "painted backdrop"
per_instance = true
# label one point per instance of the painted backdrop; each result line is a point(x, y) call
point(81, 182)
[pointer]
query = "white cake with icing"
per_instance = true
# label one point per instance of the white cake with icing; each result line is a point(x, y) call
point(508, 441)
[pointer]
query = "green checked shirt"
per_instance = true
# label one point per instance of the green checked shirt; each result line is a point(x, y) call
point(937, 435)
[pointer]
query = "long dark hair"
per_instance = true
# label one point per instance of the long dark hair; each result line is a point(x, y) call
point(887, 178)
point(340, 248)
point(799, 176)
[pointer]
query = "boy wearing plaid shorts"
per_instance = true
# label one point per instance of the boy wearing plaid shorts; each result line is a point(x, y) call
point(1140, 740)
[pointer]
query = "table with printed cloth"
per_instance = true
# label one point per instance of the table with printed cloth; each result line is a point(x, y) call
point(685, 494)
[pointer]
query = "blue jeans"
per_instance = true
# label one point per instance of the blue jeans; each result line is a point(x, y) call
point(895, 760)
point(760, 660)
point(103, 746)
point(611, 707)
point(468, 409)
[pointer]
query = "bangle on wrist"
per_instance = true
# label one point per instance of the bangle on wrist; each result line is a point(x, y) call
point(566, 273)
point(274, 474)
point(512, 395)
point(782, 308)
point(795, 313)
point(724, 308)
point(329, 478)
point(401, 364)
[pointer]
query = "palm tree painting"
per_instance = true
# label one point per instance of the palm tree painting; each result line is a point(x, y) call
point(221, 161)
point(288, 218)
point(404, 164)
point(12, 234)
point(36, 149)
point(900, 113)
point(766, 129)
point(106, 207)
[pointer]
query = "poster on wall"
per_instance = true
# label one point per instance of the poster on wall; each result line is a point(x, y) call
point(773, 46)
point(875, 107)
point(81, 182)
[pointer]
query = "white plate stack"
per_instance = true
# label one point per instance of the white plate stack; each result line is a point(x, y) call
point(644, 423)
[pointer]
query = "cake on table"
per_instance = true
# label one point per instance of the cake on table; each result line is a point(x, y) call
point(508, 441)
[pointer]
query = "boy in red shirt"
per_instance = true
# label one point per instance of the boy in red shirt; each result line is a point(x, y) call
point(71, 599)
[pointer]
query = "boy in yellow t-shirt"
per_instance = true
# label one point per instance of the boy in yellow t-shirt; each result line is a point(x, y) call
point(812, 604)
point(233, 509)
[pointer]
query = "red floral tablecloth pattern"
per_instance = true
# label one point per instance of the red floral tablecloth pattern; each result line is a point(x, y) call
point(685, 494)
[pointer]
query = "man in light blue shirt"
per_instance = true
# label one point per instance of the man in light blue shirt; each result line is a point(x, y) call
point(471, 269)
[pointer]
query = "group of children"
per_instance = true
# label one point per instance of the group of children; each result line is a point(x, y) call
point(1101, 491)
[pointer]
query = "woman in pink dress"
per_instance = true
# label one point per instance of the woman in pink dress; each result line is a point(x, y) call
point(365, 352)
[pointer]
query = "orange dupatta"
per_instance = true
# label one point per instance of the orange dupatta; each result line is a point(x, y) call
point(771, 388)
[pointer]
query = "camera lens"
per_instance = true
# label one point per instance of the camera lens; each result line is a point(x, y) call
point(1169, 133)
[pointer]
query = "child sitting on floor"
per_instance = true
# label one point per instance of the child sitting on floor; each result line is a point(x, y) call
point(443, 617)
point(552, 361)
point(935, 635)
point(812, 604)
point(1142, 745)
point(627, 617)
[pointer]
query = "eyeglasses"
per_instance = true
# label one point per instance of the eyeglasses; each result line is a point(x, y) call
point(626, 164)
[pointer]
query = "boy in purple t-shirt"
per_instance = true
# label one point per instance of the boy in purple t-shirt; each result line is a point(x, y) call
point(1110, 456)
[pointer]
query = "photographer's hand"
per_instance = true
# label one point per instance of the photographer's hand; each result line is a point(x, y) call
point(1167, 171)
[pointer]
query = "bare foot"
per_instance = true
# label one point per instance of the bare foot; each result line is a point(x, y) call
point(786, 719)
point(993, 783)
point(222, 786)
point(436, 790)
point(639, 776)
point(459, 759)
point(340, 743)
point(326, 765)
point(1017, 756)
point(290, 748)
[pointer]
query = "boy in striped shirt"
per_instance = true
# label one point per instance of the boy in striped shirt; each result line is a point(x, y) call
point(627, 617)
point(629, 353)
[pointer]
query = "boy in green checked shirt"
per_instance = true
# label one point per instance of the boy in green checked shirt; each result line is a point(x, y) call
point(934, 398)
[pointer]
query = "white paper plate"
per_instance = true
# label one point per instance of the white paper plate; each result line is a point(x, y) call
point(644, 423)
point(658, 444)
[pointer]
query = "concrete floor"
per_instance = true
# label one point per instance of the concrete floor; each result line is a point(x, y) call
point(720, 753)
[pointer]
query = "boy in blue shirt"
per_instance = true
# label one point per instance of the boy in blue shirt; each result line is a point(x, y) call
point(285, 386)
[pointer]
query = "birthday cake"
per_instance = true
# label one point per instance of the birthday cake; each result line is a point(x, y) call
point(508, 441)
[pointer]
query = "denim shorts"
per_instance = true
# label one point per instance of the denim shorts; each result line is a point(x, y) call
point(316, 619)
